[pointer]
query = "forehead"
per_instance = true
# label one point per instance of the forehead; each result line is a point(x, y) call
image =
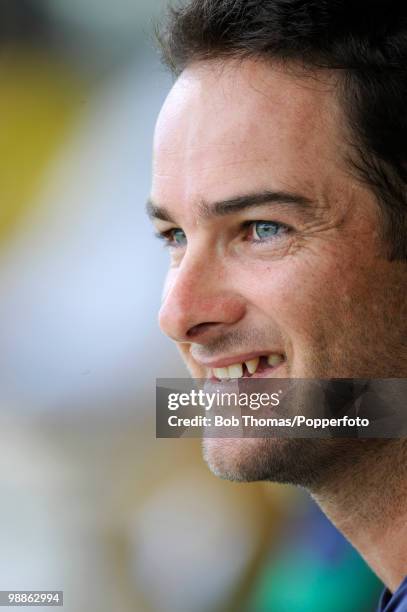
point(232, 127)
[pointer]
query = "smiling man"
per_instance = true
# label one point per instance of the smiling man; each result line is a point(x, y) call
point(280, 188)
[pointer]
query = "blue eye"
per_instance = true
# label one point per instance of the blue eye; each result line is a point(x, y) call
point(264, 230)
point(173, 238)
point(178, 237)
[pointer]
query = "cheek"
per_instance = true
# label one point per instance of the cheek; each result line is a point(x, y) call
point(300, 296)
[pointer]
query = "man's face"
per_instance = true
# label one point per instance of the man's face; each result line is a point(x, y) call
point(277, 255)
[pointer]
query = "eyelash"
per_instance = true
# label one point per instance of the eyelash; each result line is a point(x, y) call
point(165, 238)
point(282, 227)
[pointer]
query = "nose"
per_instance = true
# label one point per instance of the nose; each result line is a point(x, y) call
point(198, 303)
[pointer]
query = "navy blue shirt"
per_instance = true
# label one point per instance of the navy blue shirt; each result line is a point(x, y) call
point(396, 602)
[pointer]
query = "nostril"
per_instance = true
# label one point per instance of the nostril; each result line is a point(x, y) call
point(199, 329)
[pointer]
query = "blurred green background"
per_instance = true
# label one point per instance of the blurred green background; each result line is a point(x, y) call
point(91, 502)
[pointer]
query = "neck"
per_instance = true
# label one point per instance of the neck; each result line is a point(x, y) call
point(367, 501)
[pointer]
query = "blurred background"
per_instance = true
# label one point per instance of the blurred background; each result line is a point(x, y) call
point(91, 502)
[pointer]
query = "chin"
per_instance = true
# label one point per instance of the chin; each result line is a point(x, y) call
point(253, 459)
point(298, 461)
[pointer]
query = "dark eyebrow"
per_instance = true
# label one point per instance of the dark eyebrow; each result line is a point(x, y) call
point(251, 200)
point(158, 212)
point(234, 205)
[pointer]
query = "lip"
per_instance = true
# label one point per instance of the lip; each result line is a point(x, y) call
point(228, 361)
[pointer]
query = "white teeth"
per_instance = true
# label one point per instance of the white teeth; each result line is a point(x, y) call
point(252, 365)
point(221, 373)
point(274, 360)
point(235, 370)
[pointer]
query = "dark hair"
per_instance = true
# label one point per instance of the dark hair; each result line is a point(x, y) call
point(364, 40)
